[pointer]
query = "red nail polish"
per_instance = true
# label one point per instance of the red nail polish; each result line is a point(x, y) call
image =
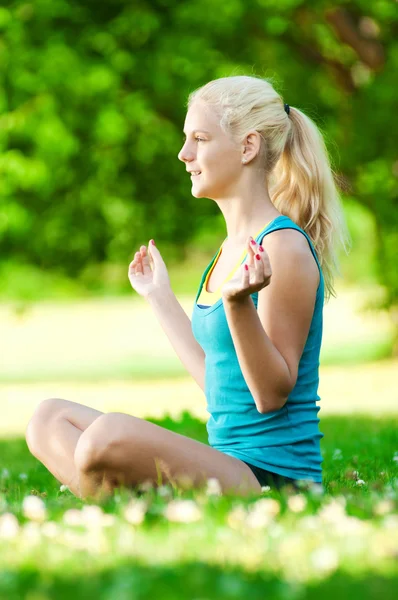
point(246, 267)
point(258, 256)
point(153, 242)
point(261, 249)
point(253, 242)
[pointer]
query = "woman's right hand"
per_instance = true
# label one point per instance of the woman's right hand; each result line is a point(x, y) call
point(148, 272)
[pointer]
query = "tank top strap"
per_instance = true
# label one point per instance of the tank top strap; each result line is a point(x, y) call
point(284, 222)
point(205, 274)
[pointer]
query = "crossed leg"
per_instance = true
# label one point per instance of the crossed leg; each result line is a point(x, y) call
point(97, 452)
point(52, 435)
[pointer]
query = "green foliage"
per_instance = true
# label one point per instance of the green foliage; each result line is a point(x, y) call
point(92, 102)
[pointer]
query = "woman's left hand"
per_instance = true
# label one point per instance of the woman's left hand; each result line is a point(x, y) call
point(253, 279)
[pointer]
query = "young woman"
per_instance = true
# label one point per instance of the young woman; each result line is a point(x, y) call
point(254, 342)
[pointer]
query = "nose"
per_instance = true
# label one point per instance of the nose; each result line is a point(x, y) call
point(185, 154)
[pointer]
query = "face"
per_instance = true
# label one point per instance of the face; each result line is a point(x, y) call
point(209, 150)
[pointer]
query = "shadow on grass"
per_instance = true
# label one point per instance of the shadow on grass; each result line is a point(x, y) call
point(189, 581)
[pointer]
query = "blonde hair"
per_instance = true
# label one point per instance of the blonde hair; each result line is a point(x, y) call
point(293, 158)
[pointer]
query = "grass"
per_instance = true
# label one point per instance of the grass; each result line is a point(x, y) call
point(285, 544)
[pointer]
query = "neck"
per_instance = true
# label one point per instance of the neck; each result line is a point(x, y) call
point(239, 230)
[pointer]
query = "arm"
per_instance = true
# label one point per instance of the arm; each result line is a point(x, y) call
point(263, 367)
point(269, 341)
point(177, 326)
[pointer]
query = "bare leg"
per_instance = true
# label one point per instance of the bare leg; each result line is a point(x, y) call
point(52, 435)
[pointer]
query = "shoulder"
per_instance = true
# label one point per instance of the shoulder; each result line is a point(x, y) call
point(288, 248)
point(292, 237)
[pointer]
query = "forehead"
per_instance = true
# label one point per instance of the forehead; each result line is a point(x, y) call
point(200, 118)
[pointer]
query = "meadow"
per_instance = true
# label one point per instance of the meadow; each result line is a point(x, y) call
point(339, 538)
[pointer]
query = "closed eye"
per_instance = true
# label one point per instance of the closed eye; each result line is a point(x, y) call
point(196, 138)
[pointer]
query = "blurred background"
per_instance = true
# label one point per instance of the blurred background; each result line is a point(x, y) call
point(92, 106)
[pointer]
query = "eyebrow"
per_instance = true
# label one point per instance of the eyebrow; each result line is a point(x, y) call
point(197, 130)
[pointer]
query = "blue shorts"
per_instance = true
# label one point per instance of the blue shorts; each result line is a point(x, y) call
point(272, 479)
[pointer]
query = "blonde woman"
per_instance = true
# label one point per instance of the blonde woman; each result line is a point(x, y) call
point(254, 342)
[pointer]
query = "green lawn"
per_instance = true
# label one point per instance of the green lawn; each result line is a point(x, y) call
point(172, 544)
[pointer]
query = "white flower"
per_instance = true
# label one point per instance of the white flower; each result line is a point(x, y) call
point(73, 516)
point(5, 474)
point(164, 491)
point(50, 529)
point(135, 511)
point(213, 487)
point(33, 508)
point(9, 526)
point(236, 517)
point(265, 488)
point(332, 512)
point(262, 512)
point(395, 457)
point(23, 476)
point(145, 486)
point(92, 513)
point(182, 511)
point(325, 558)
point(297, 503)
point(267, 506)
point(258, 518)
point(337, 454)
point(349, 526)
point(63, 488)
point(360, 482)
point(91, 517)
point(316, 489)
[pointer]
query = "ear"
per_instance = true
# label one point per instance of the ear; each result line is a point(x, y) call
point(251, 145)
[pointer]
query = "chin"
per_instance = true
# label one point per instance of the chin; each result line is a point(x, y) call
point(198, 193)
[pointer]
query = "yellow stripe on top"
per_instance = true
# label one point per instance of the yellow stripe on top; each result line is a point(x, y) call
point(209, 298)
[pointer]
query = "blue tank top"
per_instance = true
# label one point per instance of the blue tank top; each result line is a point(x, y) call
point(285, 441)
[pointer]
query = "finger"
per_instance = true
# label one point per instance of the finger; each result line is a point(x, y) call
point(155, 255)
point(133, 263)
point(250, 254)
point(259, 266)
point(138, 260)
point(245, 277)
point(145, 260)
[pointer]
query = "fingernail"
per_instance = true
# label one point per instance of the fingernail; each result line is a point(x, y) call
point(258, 256)
point(261, 249)
point(246, 267)
point(253, 242)
point(153, 242)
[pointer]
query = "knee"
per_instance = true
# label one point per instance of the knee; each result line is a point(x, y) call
point(92, 448)
point(45, 411)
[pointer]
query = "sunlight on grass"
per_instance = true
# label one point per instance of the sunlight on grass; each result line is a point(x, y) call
point(121, 339)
